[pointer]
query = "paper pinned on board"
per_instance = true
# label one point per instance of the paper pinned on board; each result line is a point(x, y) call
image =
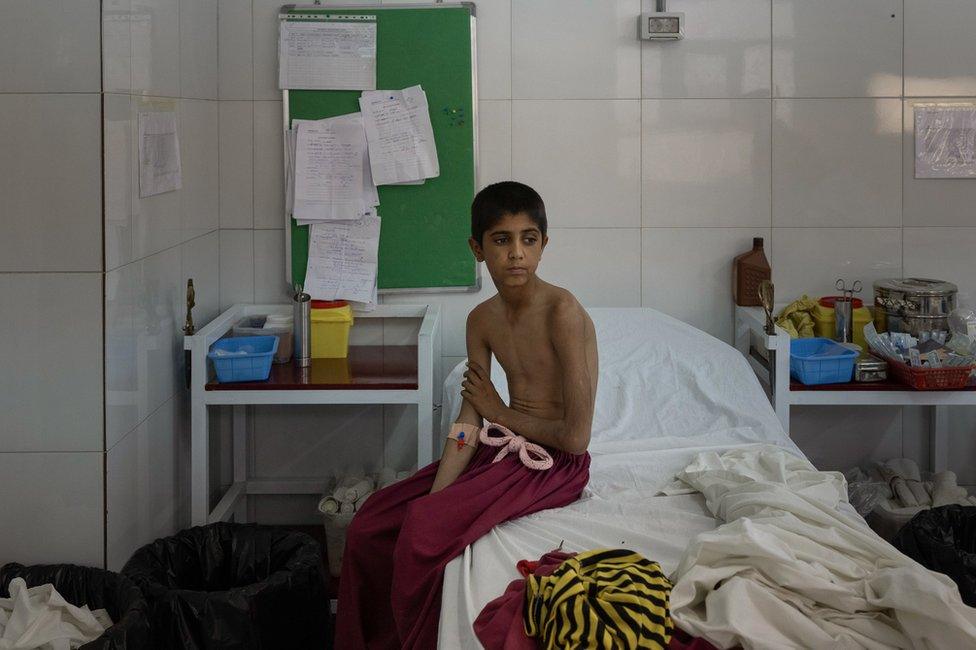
point(331, 170)
point(328, 55)
point(945, 140)
point(160, 169)
point(399, 134)
point(343, 260)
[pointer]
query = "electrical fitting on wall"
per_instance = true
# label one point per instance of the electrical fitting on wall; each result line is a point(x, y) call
point(661, 25)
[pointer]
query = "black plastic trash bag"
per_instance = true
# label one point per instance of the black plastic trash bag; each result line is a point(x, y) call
point(944, 539)
point(234, 586)
point(96, 588)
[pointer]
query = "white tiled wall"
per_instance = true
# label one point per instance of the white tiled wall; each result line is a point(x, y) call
point(785, 119)
point(51, 394)
point(158, 55)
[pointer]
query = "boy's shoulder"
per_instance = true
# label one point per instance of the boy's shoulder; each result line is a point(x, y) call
point(556, 301)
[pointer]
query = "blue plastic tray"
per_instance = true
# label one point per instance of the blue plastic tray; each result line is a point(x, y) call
point(821, 361)
point(250, 359)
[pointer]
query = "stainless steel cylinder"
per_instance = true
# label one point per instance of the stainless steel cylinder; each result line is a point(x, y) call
point(843, 320)
point(303, 329)
point(913, 305)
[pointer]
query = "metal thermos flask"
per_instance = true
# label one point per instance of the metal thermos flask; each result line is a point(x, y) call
point(303, 329)
point(844, 320)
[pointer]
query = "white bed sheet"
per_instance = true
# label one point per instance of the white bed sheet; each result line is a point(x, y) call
point(666, 392)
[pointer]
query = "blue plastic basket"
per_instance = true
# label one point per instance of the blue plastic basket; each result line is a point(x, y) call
point(250, 358)
point(821, 361)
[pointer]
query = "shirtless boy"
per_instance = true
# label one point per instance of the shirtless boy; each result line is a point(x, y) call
point(399, 542)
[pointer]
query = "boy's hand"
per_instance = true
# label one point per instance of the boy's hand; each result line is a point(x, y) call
point(480, 392)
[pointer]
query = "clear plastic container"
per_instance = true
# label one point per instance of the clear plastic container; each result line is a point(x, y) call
point(273, 325)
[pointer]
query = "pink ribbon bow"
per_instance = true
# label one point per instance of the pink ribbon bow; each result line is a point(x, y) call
point(512, 442)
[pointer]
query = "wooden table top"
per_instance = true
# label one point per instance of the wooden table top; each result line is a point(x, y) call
point(368, 367)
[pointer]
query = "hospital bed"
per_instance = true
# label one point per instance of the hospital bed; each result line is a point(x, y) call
point(667, 391)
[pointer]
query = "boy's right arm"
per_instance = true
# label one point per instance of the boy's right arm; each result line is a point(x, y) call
point(454, 460)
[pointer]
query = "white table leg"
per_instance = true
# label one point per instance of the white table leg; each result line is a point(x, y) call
point(938, 438)
point(239, 428)
point(199, 460)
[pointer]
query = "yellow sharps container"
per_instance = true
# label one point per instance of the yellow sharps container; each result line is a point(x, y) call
point(331, 320)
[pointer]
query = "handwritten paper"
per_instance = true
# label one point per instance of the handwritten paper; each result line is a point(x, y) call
point(399, 135)
point(159, 154)
point(945, 140)
point(330, 181)
point(329, 55)
point(342, 260)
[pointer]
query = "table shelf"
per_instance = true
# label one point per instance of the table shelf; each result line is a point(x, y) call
point(371, 374)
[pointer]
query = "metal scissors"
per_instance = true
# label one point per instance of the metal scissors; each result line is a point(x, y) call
point(848, 294)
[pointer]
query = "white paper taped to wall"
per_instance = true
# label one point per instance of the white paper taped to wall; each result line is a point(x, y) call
point(328, 55)
point(343, 260)
point(317, 199)
point(160, 169)
point(331, 181)
point(400, 136)
point(945, 140)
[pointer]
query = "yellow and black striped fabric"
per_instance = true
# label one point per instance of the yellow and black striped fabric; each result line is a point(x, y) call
point(608, 598)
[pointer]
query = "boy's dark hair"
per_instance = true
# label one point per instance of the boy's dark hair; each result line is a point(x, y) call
point(499, 199)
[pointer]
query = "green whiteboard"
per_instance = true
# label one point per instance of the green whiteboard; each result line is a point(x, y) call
point(424, 232)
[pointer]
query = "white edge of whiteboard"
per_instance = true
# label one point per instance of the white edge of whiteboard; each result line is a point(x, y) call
point(474, 288)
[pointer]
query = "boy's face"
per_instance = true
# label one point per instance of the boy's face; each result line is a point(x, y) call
point(511, 249)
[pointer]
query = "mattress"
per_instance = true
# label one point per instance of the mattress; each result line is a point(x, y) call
point(666, 392)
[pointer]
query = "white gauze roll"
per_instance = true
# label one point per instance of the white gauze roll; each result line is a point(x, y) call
point(354, 493)
point(328, 505)
point(346, 508)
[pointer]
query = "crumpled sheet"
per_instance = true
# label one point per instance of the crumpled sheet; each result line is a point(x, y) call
point(797, 318)
point(39, 617)
point(788, 570)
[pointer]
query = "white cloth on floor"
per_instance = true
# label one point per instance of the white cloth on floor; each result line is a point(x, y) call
point(39, 617)
point(789, 570)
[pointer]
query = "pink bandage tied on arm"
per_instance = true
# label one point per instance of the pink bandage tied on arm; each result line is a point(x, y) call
point(532, 455)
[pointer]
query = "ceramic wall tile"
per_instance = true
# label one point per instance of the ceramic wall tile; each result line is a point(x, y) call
point(933, 201)
point(264, 48)
point(59, 517)
point(198, 49)
point(201, 261)
point(810, 260)
point(51, 390)
point(551, 61)
point(117, 161)
point(236, 166)
point(236, 267)
point(156, 219)
point(583, 157)
point(269, 267)
point(836, 48)
point(705, 162)
point(836, 162)
point(269, 173)
point(494, 43)
point(725, 51)
point(695, 288)
point(940, 55)
point(494, 142)
point(234, 41)
point(116, 50)
point(50, 46)
point(600, 266)
point(122, 359)
point(199, 197)
point(51, 205)
point(155, 45)
point(943, 253)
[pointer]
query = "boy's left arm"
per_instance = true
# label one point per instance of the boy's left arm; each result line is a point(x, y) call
point(570, 434)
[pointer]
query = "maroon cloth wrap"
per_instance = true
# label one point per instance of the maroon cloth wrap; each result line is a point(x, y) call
point(399, 542)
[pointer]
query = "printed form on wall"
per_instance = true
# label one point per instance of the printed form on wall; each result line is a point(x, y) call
point(159, 154)
point(330, 178)
point(337, 54)
point(400, 135)
point(342, 260)
point(945, 140)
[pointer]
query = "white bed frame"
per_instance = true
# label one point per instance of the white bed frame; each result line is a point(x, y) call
point(769, 356)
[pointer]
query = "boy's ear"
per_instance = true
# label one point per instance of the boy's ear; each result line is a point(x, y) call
point(545, 240)
point(476, 249)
